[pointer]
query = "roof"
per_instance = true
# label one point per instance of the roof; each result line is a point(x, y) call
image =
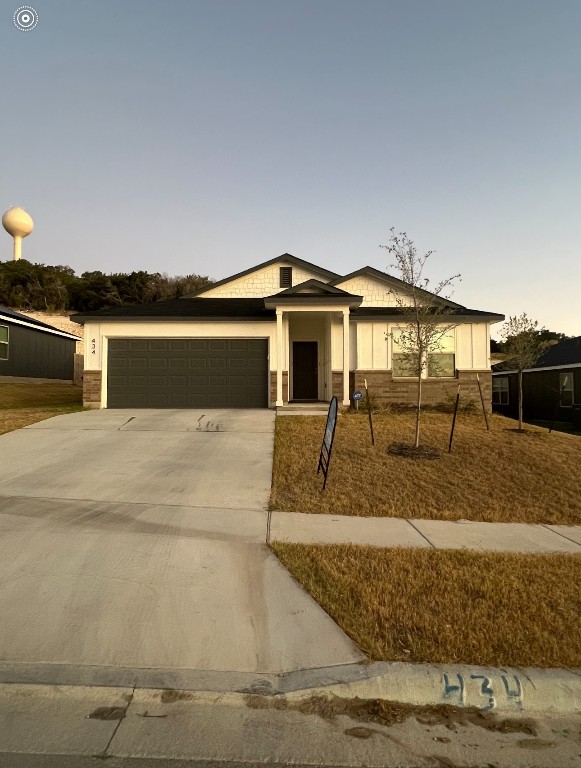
point(185, 309)
point(286, 257)
point(565, 354)
point(393, 281)
point(454, 311)
point(313, 292)
point(248, 309)
point(313, 288)
point(10, 316)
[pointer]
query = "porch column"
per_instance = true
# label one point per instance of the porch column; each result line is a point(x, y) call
point(279, 357)
point(346, 400)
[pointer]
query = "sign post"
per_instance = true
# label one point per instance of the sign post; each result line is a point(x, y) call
point(357, 397)
point(482, 401)
point(328, 437)
point(454, 420)
point(369, 412)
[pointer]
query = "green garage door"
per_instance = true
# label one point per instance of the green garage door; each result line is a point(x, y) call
point(187, 373)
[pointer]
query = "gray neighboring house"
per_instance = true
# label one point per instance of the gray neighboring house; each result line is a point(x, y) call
point(551, 389)
point(32, 349)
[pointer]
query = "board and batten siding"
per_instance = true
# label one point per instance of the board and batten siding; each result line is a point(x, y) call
point(373, 346)
point(369, 344)
point(37, 354)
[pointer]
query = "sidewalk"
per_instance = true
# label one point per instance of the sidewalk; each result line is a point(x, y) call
point(440, 534)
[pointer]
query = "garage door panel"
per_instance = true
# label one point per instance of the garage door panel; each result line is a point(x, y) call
point(218, 345)
point(138, 345)
point(217, 381)
point(158, 345)
point(188, 373)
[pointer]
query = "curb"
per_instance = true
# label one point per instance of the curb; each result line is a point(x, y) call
point(486, 688)
point(489, 689)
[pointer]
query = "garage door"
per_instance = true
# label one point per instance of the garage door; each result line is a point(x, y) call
point(187, 373)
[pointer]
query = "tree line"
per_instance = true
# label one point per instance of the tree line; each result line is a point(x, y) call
point(28, 286)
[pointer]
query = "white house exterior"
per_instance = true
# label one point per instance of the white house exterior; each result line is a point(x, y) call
point(283, 331)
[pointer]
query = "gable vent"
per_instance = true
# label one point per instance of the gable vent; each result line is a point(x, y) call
point(286, 277)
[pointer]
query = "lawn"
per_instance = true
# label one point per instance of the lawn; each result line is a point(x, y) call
point(22, 404)
point(447, 606)
point(496, 476)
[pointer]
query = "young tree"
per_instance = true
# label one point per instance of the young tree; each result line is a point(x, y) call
point(425, 313)
point(523, 344)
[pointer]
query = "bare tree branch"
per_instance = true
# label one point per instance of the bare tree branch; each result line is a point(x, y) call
point(425, 313)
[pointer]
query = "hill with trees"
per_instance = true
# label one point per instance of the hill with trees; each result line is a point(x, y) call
point(26, 286)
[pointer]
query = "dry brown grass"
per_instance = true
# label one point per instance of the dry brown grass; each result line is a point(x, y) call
point(447, 606)
point(496, 476)
point(22, 404)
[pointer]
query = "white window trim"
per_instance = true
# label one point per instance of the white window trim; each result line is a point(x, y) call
point(498, 380)
point(570, 389)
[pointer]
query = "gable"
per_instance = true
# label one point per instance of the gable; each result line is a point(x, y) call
point(260, 282)
point(375, 292)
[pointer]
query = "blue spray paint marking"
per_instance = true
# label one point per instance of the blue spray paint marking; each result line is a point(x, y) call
point(449, 690)
point(485, 690)
point(513, 694)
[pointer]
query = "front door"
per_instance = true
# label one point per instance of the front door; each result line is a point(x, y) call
point(305, 370)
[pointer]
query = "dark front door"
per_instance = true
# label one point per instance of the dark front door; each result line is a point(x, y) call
point(305, 370)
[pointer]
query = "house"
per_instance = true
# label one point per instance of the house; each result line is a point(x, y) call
point(283, 331)
point(551, 389)
point(30, 348)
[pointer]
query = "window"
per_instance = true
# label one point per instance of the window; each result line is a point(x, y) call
point(3, 342)
point(442, 361)
point(566, 390)
point(402, 363)
point(286, 277)
point(500, 390)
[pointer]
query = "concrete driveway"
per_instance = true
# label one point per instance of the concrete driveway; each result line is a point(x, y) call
point(133, 540)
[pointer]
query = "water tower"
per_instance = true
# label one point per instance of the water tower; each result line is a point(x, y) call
point(18, 224)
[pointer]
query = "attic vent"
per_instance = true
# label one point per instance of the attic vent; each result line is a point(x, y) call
point(286, 277)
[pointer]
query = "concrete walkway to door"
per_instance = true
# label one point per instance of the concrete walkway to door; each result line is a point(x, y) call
point(133, 540)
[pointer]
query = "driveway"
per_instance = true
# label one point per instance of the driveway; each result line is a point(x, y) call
point(133, 540)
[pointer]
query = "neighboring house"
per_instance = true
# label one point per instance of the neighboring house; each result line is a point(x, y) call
point(30, 348)
point(285, 330)
point(551, 390)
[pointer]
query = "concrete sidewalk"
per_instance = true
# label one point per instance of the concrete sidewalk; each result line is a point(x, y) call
point(439, 534)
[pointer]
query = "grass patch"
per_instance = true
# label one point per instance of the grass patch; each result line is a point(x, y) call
point(22, 404)
point(447, 606)
point(496, 476)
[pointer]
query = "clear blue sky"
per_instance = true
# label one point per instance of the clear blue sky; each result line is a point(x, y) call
point(207, 136)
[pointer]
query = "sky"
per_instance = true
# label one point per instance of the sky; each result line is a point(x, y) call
point(207, 136)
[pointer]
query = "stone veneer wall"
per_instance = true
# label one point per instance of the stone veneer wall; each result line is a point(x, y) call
point(92, 389)
point(385, 389)
point(337, 385)
point(273, 387)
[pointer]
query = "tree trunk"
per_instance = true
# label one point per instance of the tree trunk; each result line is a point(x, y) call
point(520, 400)
point(418, 411)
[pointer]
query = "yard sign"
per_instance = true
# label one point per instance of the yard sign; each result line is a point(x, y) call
point(327, 446)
